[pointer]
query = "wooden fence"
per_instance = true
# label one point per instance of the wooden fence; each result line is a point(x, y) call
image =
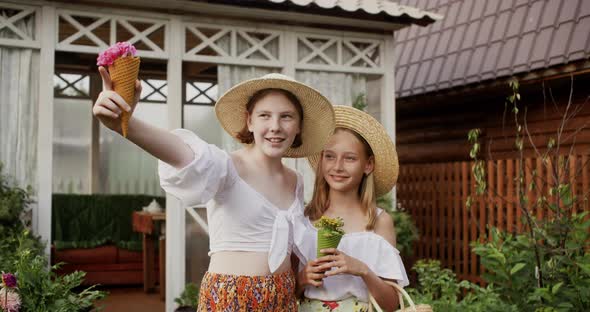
point(435, 196)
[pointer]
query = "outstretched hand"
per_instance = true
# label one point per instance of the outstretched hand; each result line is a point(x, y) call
point(336, 262)
point(110, 104)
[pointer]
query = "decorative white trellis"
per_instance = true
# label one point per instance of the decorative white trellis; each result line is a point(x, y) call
point(232, 45)
point(346, 54)
point(10, 15)
point(79, 31)
point(71, 85)
point(154, 90)
point(200, 93)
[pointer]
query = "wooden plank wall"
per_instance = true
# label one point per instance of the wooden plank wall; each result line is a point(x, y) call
point(434, 128)
point(435, 194)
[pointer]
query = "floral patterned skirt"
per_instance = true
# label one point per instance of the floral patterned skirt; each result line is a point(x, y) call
point(224, 292)
point(351, 304)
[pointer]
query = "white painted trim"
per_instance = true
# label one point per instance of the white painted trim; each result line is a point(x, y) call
point(230, 61)
point(343, 69)
point(229, 55)
point(252, 13)
point(96, 50)
point(20, 43)
point(204, 226)
point(175, 214)
point(388, 94)
point(28, 42)
point(337, 63)
point(45, 134)
point(115, 21)
point(265, 25)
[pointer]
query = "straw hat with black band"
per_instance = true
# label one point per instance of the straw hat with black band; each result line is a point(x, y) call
point(318, 115)
point(386, 163)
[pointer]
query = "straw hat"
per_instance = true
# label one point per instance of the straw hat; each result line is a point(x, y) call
point(318, 115)
point(386, 163)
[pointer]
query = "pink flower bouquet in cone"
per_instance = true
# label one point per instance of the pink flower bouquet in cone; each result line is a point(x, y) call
point(329, 233)
point(123, 68)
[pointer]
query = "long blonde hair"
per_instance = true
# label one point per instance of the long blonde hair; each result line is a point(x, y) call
point(320, 200)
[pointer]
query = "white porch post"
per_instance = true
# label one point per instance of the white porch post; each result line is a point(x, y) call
point(388, 94)
point(175, 214)
point(288, 55)
point(42, 212)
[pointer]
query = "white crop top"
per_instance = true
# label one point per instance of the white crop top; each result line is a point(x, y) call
point(371, 248)
point(240, 218)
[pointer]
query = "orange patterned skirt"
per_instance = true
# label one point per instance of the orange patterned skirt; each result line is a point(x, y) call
point(224, 292)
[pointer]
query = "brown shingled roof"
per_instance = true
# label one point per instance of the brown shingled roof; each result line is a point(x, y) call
point(481, 40)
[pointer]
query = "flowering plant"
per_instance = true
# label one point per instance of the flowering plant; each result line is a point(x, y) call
point(8, 280)
point(9, 298)
point(117, 50)
point(333, 226)
point(330, 233)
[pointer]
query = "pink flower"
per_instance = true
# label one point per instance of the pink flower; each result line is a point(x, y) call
point(117, 50)
point(8, 280)
point(9, 300)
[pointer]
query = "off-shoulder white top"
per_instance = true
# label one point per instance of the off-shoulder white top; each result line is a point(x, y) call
point(371, 248)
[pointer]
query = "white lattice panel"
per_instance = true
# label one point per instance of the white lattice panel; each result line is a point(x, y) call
point(335, 53)
point(19, 25)
point(232, 45)
point(93, 32)
point(71, 85)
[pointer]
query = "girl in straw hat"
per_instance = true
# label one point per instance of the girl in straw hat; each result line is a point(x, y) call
point(251, 196)
point(358, 164)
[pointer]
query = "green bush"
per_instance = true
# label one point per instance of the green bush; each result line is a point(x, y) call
point(405, 230)
point(14, 202)
point(21, 253)
point(440, 289)
point(547, 266)
point(189, 296)
point(511, 265)
point(43, 290)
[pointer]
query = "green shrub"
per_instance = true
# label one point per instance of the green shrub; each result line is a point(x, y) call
point(43, 290)
point(405, 230)
point(547, 266)
point(189, 296)
point(21, 253)
point(440, 289)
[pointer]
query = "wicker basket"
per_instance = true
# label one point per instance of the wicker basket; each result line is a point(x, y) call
point(402, 294)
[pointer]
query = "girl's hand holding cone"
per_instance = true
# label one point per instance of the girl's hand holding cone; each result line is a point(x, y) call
point(123, 68)
point(336, 262)
point(312, 274)
point(109, 105)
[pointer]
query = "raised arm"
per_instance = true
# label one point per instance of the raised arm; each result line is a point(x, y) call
point(159, 142)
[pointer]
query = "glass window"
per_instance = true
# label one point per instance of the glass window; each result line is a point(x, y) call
point(126, 168)
point(71, 145)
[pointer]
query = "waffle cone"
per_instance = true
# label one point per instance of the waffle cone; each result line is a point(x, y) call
point(124, 72)
point(327, 241)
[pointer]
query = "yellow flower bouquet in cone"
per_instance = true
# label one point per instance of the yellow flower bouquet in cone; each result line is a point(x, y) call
point(329, 233)
point(123, 67)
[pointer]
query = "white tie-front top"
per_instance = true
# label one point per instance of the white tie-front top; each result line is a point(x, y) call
point(371, 248)
point(239, 217)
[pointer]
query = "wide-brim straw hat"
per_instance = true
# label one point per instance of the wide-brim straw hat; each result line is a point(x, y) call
point(386, 163)
point(318, 115)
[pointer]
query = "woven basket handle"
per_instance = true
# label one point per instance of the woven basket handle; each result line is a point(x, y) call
point(401, 293)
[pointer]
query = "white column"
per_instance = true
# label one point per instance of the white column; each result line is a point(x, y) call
point(288, 53)
point(42, 214)
point(175, 215)
point(388, 94)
